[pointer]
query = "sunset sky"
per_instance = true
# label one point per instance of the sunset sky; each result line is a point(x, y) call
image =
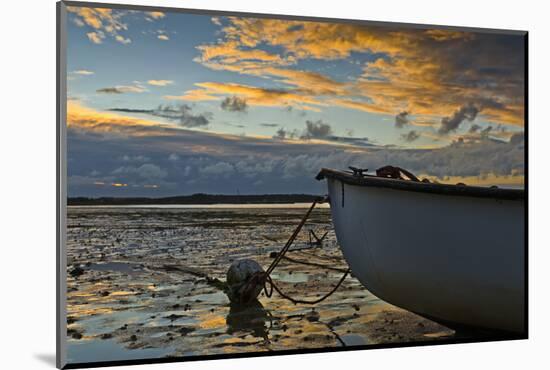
point(166, 103)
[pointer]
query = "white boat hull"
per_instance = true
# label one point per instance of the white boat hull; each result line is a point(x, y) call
point(455, 259)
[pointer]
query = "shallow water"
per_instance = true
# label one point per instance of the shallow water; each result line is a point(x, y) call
point(128, 305)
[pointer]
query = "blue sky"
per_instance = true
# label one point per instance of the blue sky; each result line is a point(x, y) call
point(271, 101)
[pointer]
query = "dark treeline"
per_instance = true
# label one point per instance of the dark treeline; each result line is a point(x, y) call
point(197, 199)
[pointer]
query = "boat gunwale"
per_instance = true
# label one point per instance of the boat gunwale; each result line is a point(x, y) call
point(423, 187)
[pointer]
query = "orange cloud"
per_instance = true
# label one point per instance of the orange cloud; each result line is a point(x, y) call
point(253, 95)
point(156, 15)
point(445, 35)
point(515, 180)
point(426, 72)
point(88, 119)
point(312, 83)
point(96, 37)
point(321, 40)
point(92, 17)
point(231, 53)
point(359, 105)
point(193, 95)
point(105, 21)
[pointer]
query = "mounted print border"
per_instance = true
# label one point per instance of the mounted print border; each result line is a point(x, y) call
point(205, 160)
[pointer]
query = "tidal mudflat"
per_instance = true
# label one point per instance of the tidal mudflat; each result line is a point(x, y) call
point(138, 286)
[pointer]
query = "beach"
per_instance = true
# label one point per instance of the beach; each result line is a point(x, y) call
point(139, 285)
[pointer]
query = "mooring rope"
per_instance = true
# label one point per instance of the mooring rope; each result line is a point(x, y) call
point(293, 236)
point(314, 264)
point(265, 277)
point(301, 301)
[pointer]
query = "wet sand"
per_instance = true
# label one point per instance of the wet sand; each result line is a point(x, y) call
point(126, 301)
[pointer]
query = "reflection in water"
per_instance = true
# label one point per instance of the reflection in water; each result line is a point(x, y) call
point(250, 319)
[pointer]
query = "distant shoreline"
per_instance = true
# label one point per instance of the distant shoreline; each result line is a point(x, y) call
point(195, 199)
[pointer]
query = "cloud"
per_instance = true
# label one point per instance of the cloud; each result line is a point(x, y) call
point(410, 136)
point(282, 134)
point(466, 112)
point(109, 90)
point(230, 52)
point(156, 15)
point(103, 22)
point(78, 22)
point(121, 89)
point(459, 159)
point(269, 124)
point(83, 72)
point(186, 161)
point(160, 82)
point(151, 171)
point(182, 114)
point(446, 35)
point(96, 37)
point(146, 171)
point(95, 122)
point(163, 37)
point(193, 95)
point(234, 125)
point(135, 158)
point(98, 18)
point(401, 119)
point(218, 169)
point(351, 141)
point(316, 130)
point(362, 106)
point(257, 96)
point(321, 132)
point(426, 73)
point(123, 40)
point(305, 39)
point(234, 104)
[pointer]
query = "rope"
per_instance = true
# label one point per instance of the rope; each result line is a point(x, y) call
point(265, 278)
point(314, 264)
point(292, 237)
point(395, 173)
point(296, 301)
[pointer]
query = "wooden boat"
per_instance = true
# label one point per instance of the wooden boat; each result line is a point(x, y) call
point(453, 254)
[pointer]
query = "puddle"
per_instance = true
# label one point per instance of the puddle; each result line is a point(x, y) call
point(353, 340)
point(109, 350)
point(217, 298)
point(290, 277)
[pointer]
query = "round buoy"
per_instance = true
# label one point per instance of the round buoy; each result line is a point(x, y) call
point(238, 276)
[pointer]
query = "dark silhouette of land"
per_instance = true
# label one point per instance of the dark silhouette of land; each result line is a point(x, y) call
point(196, 199)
